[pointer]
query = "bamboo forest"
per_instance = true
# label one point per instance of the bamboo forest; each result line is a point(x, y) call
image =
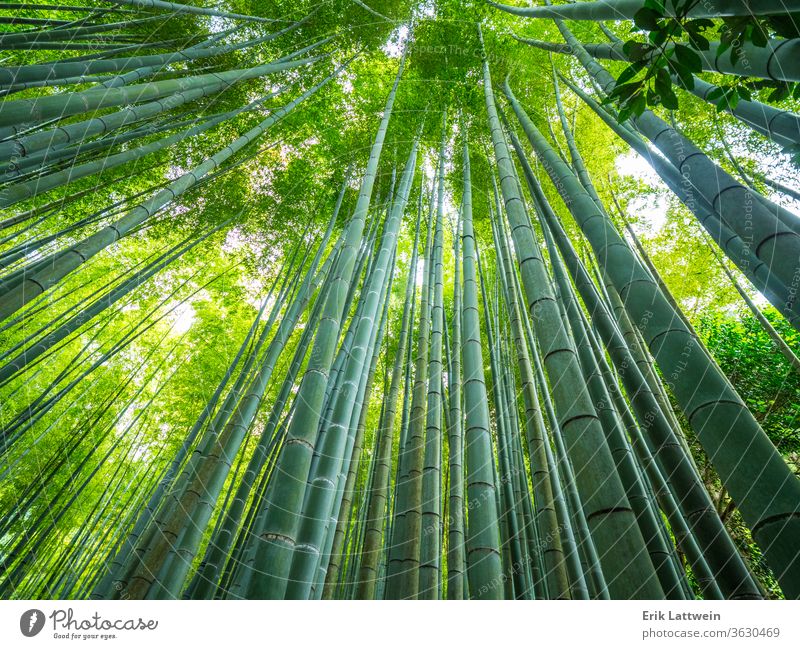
point(400, 299)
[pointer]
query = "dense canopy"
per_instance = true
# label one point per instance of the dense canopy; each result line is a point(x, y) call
point(411, 299)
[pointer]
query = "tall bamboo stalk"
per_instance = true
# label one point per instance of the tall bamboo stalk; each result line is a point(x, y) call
point(608, 513)
point(709, 401)
point(283, 503)
point(484, 566)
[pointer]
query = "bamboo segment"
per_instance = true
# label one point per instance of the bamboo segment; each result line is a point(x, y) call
point(456, 561)
point(547, 522)
point(403, 561)
point(19, 77)
point(178, 8)
point(484, 567)
point(319, 500)
point(74, 103)
point(431, 519)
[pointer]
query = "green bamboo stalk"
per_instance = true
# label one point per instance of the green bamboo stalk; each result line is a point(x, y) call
point(527, 571)
point(712, 406)
point(375, 516)
point(530, 568)
point(205, 581)
point(583, 564)
point(613, 526)
point(403, 566)
point(776, 338)
point(177, 8)
point(74, 103)
point(22, 39)
point(456, 561)
point(18, 77)
point(180, 533)
point(769, 182)
point(736, 248)
point(346, 489)
point(67, 260)
point(625, 9)
point(41, 184)
point(283, 503)
point(511, 540)
point(31, 352)
point(647, 515)
point(395, 508)
point(547, 521)
point(30, 6)
point(484, 567)
point(431, 515)
point(650, 412)
point(572, 529)
point(649, 473)
point(781, 126)
point(319, 505)
point(777, 61)
point(650, 526)
point(771, 230)
point(19, 146)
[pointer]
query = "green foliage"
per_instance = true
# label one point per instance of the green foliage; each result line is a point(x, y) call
point(759, 372)
point(670, 56)
point(771, 390)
